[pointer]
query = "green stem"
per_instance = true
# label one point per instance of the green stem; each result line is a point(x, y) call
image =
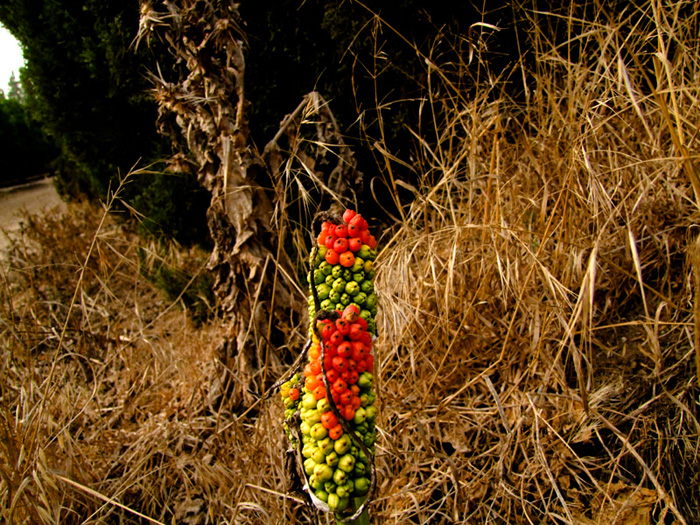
point(362, 520)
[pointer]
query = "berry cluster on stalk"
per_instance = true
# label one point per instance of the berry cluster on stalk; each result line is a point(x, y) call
point(334, 398)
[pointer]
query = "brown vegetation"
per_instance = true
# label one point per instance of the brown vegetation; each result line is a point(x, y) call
point(536, 350)
point(204, 112)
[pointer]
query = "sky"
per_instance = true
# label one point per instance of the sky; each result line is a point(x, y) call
point(10, 57)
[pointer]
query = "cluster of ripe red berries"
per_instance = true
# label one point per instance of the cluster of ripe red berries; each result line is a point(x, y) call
point(348, 363)
point(342, 241)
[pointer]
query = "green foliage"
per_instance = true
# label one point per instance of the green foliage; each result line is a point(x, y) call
point(25, 150)
point(83, 90)
point(178, 282)
point(171, 206)
point(14, 89)
point(88, 87)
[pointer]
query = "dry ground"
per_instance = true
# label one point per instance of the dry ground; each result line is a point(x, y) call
point(32, 198)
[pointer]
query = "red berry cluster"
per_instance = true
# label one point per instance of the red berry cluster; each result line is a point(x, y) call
point(342, 241)
point(347, 357)
point(335, 393)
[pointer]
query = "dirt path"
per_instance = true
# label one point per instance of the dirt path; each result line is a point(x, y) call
point(34, 197)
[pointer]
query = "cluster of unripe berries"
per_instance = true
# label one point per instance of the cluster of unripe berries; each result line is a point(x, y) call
point(340, 368)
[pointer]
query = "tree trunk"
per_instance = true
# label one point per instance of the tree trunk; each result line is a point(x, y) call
point(208, 104)
point(204, 107)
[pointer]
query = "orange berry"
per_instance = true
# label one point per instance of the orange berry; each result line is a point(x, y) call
point(315, 367)
point(346, 259)
point(370, 363)
point(340, 245)
point(348, 412)
point(340, 386)
point(333, 258)
point(341, 230)
point(328, 420)
point(355, 244)
point(319, 392)
point(344, 350)
point(330, 240)
point(348, 215)
point(340, 364)
point(314, 352)
point(335, 432)
point(346, 397)
point(311, 383)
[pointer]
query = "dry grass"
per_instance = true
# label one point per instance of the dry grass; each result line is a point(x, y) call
point(536, 307)
point(537, 328)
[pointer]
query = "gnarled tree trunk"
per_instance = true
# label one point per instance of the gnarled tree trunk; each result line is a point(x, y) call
point(203, 109)
point(207, 101)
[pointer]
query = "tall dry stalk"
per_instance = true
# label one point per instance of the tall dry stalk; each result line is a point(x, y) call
point(208, 102)
point(695, 262)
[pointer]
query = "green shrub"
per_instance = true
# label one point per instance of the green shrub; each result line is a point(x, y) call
point(171, 205)
point(178, 279)
point(25, 150)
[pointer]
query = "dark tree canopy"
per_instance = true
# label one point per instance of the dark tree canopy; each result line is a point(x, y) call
point(88, 85)
point(83, 85)
point(88, 88)
point(24, 149)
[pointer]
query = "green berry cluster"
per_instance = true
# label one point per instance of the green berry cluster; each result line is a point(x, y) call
point(338, 287)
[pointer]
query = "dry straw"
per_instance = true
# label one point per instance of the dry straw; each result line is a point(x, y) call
point(537, 313)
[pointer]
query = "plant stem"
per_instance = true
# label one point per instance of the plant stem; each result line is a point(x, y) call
point(362, 520)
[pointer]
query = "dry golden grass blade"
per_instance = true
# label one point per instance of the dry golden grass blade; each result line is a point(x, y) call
point(104, 498)
point(695, 262)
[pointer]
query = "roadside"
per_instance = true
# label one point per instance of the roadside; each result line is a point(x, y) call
point(34, 197)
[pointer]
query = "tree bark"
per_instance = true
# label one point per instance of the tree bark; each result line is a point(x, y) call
point(203, 111)
point(208, 103)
